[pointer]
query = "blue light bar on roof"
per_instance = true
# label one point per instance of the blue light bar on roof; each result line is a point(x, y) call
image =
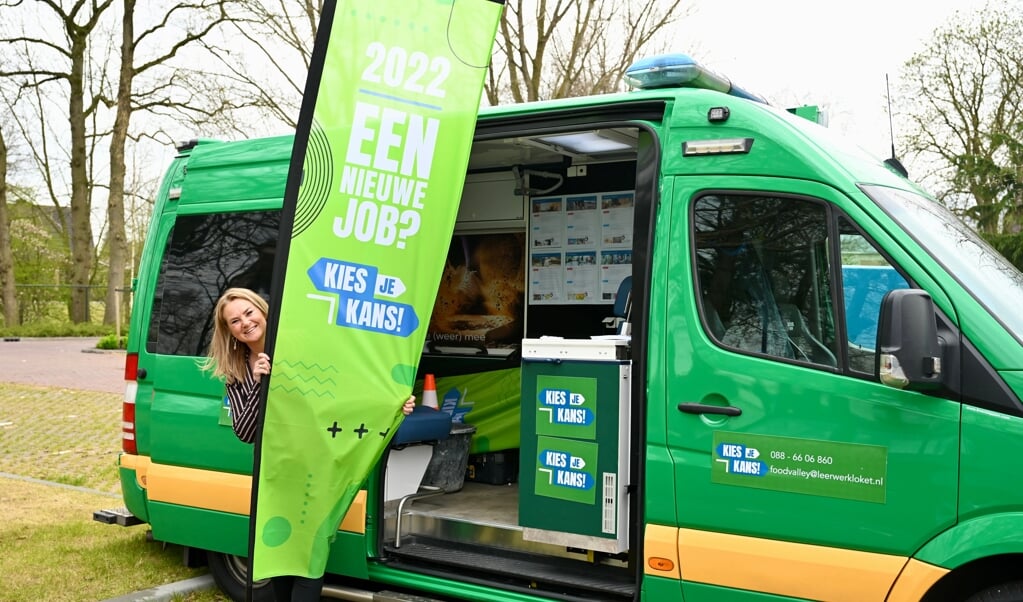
point(680, 70)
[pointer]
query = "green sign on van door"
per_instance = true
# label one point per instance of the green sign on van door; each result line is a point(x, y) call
point(372, 195)
point(842, 470)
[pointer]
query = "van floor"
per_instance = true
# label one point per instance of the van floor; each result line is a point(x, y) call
point(475, 532)
point(474, 503)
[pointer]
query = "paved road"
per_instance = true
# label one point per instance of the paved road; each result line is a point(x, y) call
point(71, 363)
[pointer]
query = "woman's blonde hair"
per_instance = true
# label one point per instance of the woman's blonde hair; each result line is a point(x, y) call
point(226, 358)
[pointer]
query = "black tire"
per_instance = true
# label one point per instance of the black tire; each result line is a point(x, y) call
point(230, 572)
point(1003, 592)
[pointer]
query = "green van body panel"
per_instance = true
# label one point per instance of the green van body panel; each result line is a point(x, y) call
point(836, 459)
point(659, 588)
point(986, 467)
point(987, 536)
point(347, 556)
point(445, 587)
point(134, 496)
point(708, 593)
point(199, 528)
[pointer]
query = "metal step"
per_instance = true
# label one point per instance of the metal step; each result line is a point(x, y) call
point(536, 573)
point(350, 594)
point(116, 516)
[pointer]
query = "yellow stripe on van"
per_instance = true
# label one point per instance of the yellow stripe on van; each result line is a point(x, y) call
point(916, 579)
point(785, 568)
point(660, 546)
point(140, 464)
point(212, 490)
point(208, 489)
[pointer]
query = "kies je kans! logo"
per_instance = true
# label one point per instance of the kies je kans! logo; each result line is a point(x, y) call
point(740, 459)
point(562, 407)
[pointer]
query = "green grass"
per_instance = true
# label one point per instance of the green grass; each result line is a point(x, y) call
point(50, 548)
point(61, 435)
point(73, 480)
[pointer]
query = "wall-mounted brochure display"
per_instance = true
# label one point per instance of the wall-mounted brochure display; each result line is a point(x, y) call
point(580, 247)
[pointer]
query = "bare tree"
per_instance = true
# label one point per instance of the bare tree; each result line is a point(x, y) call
point(64, 53)
point(544, 49)
point(8, 296)
point(962, 96)
point(268, 70)
point(580, 47)
point(560, 48)
point(56, 56)
point(192, 21)
point(116, 240)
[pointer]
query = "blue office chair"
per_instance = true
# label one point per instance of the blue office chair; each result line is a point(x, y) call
point(623, 307)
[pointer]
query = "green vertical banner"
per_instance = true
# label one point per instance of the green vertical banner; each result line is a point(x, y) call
point(376, 176)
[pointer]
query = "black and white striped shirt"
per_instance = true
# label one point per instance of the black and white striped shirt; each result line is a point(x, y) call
point(243, 398)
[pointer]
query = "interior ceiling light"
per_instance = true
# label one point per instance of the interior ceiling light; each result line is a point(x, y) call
point(589, 143)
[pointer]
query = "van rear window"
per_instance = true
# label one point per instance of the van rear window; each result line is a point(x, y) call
point(203, 256)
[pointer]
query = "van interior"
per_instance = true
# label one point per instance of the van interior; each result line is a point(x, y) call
point(542, 253)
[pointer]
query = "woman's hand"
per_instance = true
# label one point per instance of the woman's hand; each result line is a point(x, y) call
point(410, 405)
point(261, 367)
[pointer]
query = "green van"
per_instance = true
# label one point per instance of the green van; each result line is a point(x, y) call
point(693, 347)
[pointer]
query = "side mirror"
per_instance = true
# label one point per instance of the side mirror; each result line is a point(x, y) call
point(909, 353)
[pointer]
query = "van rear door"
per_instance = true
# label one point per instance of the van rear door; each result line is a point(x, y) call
point(194, 452)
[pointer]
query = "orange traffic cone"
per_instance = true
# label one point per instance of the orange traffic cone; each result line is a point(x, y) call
point(430, 392)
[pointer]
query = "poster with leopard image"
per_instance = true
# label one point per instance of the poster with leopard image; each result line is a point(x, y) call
point(479, 302)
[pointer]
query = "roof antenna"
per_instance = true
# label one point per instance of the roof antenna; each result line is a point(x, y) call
point(892, 162)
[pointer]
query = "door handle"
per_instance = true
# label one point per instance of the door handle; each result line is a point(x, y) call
point(700, 408)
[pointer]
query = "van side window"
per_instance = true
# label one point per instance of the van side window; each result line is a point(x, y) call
point(866, 277)
point(762, 266)
point(206, 254)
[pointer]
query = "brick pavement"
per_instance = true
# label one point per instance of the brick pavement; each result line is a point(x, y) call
point(60, 411)
point(72, 363)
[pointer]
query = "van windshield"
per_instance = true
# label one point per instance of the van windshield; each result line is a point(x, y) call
point(982, 271)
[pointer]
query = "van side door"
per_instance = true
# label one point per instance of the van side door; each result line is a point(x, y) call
point(797, 472)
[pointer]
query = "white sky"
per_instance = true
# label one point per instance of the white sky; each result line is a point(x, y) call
point(833, 54)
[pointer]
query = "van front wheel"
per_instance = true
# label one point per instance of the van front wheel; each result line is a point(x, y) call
point(230, 572)
point(1005, 592)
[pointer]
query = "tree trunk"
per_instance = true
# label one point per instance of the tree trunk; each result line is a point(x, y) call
point(81, 201)
point(115, 203)
point(8, 296)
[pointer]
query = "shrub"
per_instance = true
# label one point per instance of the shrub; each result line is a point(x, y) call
point(112, 341)
point(54, 328)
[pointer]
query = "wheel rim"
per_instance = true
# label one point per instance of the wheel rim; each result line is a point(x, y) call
point(239, 569)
